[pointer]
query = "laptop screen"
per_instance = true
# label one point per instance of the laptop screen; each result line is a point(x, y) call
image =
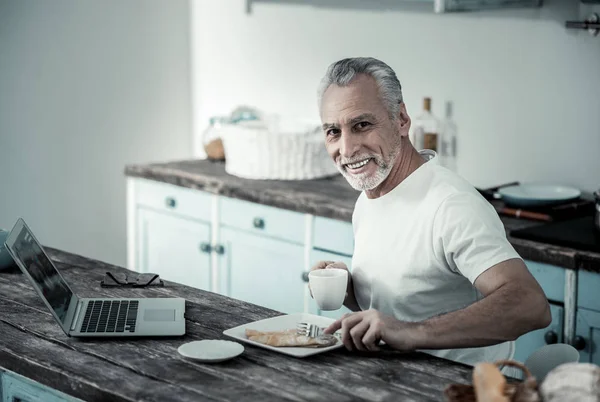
point(49, 282)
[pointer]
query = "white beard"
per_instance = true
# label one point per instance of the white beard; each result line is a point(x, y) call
point(368, 181)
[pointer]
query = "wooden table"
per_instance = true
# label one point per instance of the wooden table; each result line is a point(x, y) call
point(33, 345)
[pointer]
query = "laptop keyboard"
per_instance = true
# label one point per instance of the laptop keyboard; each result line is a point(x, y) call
point(102, 316)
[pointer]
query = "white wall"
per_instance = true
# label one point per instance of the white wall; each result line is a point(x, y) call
point(526, 91)
point(87, 87)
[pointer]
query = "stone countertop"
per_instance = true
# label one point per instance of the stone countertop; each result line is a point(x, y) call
point(150, 369)
point(328, 197)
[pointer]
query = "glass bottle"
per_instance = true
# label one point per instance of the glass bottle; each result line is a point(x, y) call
point(426, 134)
point(448, 140)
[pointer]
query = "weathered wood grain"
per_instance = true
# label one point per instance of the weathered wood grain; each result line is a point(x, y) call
point(330, 197)
point(150, 369)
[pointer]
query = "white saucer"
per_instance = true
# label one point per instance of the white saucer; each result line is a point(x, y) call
point(210, 350)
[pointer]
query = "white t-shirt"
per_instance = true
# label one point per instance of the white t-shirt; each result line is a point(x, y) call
point(420, 247)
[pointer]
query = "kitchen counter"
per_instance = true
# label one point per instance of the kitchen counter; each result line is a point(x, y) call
point(33, 345)
point(329, 197)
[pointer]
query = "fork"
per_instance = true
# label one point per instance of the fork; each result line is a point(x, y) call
point(312, 330)
point(307, 329)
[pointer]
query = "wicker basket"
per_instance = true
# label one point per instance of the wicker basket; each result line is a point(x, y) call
point(272, 152)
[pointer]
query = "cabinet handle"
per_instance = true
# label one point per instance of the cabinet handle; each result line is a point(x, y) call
point(170, 202)
point(205, 247)
point(578, 343)
point(219, 249)
point(551, 337)
point(259, 223)
point(305, 276)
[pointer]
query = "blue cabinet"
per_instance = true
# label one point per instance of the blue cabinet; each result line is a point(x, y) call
point(261, 270)
point(588, 286)
point(587, 326)
point(262, 220)
point(587, 333)
point(16, 388)
point(176, 248)
point(169, 232)
point(550, 277)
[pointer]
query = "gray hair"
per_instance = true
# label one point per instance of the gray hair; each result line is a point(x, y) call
point(342, 72)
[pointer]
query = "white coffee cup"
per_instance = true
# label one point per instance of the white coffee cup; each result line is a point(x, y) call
point(328, 287)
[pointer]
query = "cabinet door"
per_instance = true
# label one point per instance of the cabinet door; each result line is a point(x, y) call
point(551, 278)
point(319, 255)
point(532, 341)
point(261, 270)
point(587, 333)
point(178, 249)
point(588, 284)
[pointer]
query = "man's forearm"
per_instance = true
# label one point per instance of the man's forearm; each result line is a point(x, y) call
point(504, 315)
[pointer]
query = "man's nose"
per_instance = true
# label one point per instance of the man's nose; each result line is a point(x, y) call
point(349, 145)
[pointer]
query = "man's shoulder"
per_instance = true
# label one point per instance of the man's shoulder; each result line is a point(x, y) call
point(457, 200)
point(445, 184)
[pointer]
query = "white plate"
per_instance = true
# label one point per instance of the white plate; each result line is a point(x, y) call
point(537, 194)
point(281, 323)
point(210, 350)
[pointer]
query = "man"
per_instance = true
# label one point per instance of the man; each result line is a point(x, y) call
point(432, 269)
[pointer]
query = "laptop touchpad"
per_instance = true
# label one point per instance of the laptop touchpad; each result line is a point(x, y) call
point(159, 315)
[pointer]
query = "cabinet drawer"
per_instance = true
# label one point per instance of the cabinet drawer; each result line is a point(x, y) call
point(550, 277)
point(588, 286)
point(333, 235)
point(261, 219)
point(169, 198)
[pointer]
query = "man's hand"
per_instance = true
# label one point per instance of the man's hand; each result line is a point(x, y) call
point(332, 264)
point(350, 299)
point(363, 331)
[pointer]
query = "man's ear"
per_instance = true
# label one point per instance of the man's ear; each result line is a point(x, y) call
point(403, 120)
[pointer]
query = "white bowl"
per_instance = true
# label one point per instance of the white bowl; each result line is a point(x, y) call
point(548, 357)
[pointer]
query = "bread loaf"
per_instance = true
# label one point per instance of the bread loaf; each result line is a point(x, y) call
point(572, 382)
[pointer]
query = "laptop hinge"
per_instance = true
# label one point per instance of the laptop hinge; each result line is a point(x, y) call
point(75, 319)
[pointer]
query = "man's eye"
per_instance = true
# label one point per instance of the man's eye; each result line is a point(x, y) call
point(332, 131)
point(363, 124)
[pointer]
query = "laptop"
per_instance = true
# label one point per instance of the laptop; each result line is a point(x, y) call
point(91, 317)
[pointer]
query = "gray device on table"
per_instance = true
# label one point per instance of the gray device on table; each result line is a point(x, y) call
point(91, 317)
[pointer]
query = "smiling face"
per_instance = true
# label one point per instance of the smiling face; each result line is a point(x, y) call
point(360, 136)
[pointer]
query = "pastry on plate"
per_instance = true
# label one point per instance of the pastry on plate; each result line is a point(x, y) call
point(290, 338)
